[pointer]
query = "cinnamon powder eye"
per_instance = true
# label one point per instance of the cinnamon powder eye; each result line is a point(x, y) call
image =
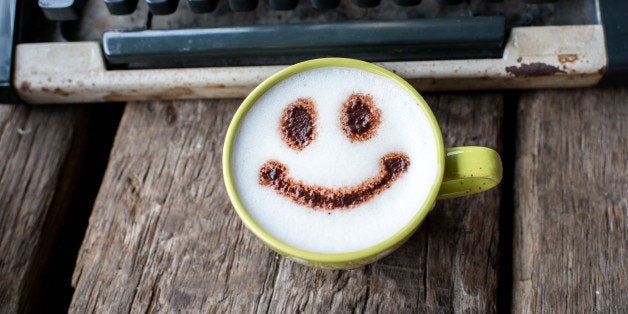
point(359, 117)
point(298, 123)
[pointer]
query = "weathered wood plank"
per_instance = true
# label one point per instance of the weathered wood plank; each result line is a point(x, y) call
point(462, 235)
point(163, 235)
point(571, 214)
point(41, 152)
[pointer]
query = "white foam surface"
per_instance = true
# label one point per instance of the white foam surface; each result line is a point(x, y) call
point(333, 161)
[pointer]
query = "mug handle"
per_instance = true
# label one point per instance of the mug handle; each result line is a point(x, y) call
point(469, 170)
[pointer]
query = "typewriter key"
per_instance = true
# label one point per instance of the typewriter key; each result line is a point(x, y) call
point(242, 5)
point(281, 5)
point(162, 7)
point(324, 4)
point(366, 3)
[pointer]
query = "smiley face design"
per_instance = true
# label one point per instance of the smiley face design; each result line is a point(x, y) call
point(334, 159)
point(359, 119)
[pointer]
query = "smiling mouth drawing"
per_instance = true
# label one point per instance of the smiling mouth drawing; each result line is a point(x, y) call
point(274, 174)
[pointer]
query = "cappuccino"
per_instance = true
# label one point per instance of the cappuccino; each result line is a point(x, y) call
point(335, 159)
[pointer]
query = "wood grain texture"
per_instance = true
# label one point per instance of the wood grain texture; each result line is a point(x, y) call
point(163, 236)
point(571, 215)
point(40, 154)
point(462, 235)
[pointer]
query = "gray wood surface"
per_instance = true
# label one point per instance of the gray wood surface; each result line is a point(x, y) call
point(40, 154)
point(163, 235)
point(571, 193)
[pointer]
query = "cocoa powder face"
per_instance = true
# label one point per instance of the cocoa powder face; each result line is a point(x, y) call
point(359, 121)
point(334, 159)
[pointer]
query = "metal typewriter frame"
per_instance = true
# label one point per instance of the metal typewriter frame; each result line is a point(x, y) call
point(572, 56)
point(534, 57)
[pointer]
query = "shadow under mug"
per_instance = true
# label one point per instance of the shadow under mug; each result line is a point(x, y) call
point(462, 171)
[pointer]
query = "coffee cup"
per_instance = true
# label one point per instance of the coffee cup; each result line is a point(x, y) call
point(334, 163)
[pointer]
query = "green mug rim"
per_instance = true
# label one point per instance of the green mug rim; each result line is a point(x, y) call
point(285, 249)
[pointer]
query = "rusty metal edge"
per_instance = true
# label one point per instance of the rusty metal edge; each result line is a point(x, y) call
point(534, 57)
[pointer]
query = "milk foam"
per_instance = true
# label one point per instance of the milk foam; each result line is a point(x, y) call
point(333, 161)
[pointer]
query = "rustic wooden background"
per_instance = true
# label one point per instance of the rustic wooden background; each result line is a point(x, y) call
point(121, 208)
point(163, 225)
point(162, 235)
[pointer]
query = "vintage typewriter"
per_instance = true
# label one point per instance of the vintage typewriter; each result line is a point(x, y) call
point(66, 51)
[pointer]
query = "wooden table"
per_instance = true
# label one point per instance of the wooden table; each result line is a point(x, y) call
point(162, 236)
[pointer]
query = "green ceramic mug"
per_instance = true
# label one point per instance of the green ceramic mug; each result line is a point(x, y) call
point(458, 171)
